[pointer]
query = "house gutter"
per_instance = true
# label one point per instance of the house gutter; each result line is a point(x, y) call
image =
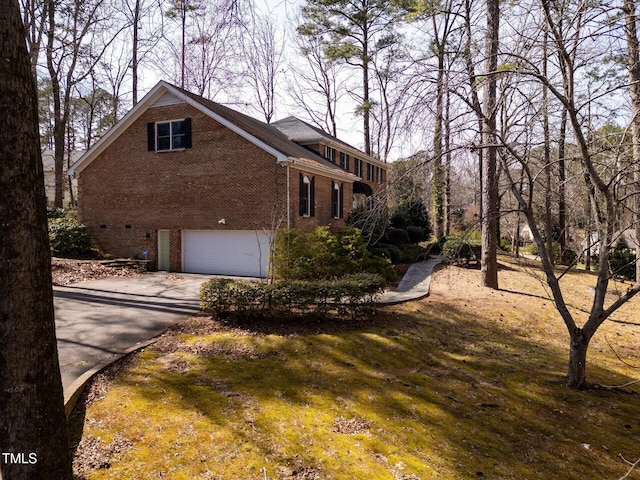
point(288, 198)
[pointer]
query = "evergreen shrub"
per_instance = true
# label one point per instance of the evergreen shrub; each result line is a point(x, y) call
point(351, 295)
point(68, 237)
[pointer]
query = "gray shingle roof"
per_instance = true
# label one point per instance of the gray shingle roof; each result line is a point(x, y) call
point(303, 132)
point(267, 133)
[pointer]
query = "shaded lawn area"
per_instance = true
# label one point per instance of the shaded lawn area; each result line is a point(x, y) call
point(468, 383)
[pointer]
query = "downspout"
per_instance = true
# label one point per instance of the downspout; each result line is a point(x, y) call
point(288, 200)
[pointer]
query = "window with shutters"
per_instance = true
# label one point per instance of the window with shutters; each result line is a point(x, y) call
point(307, 196)
point(344, 161)
point(370, 172)
point(357, 165)
point(330, 154)
point(170, 135)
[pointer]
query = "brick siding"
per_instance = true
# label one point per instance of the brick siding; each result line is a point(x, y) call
point(128, 193)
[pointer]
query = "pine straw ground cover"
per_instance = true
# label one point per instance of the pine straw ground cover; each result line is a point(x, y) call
point(467, 383)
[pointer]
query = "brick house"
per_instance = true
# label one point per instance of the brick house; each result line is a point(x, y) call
point(195, 186)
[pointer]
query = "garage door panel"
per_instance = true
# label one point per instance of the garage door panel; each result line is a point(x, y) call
point(230, 252)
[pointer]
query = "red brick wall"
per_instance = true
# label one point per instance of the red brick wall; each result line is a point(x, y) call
point(222, 176)
point(322, 188)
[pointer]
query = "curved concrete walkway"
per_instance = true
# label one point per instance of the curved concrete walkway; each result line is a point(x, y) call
point(415, 284)
point(100, 321)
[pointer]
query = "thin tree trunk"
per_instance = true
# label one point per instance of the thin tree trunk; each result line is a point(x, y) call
point(547, 155)
point(366, 110)
point(31, 396)
point(562, 204)
point(577, 374)
point(489, 261)
point(134, 53)
point(634, 80)
point(447, 164)
point(437, 184)
point(475, 101)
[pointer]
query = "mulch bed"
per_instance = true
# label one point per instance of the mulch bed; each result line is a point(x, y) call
point(67, 272)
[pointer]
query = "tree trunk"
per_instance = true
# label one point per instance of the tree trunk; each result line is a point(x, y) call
point(134, 52)
point(562, 204)
point(58, 126)
point(634, 80)
point(31, 397)
point(489, 260)
point(474, 95)
point(438, 182)
point(577, 375)
point(366, 101)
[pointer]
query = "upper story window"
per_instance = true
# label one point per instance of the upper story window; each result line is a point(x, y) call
point(370, 172)
point(330, 153)
point(344, 161)
point(307, 194)
point(379, 174)
point(170, 135)
point(357, 165)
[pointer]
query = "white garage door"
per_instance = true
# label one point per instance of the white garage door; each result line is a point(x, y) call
point(243, 253)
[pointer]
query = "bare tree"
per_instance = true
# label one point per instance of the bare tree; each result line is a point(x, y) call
point(598, 160)
point(318, 85)
point(263, 53)
point(35, 22)
point(77, 38)
point(31, 399)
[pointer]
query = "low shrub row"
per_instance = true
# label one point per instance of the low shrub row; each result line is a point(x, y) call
point(352, 295)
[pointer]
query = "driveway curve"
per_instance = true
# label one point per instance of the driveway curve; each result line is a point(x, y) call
point(99, 321)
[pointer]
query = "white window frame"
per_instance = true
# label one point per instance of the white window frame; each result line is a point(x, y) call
point(336, 192)
point(306, 182)
point(171, 135)
point(330, 153)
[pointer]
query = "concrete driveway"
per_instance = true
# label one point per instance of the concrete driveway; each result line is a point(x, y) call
point(100, 320)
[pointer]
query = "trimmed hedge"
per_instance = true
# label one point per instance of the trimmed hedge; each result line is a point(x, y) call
point(352, 295)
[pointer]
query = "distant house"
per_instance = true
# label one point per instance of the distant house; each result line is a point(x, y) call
point(50, 177)
point(195, 186)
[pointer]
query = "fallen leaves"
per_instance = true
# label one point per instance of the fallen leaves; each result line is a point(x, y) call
point(66, 272)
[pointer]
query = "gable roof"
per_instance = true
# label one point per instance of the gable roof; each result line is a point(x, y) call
point(259, 133)
point(303, 132)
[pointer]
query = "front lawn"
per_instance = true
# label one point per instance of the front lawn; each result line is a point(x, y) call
point(468, 383)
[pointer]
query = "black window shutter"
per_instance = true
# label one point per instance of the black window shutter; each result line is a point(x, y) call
point(302, 202)
point(312, 196)
point(341, 204)
point(187, 133)
point(348, 169)
point(151, 137)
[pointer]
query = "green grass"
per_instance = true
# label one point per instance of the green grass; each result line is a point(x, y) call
point(468, 383)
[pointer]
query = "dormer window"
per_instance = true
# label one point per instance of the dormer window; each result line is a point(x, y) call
point(170, 135)
point(330, 154)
